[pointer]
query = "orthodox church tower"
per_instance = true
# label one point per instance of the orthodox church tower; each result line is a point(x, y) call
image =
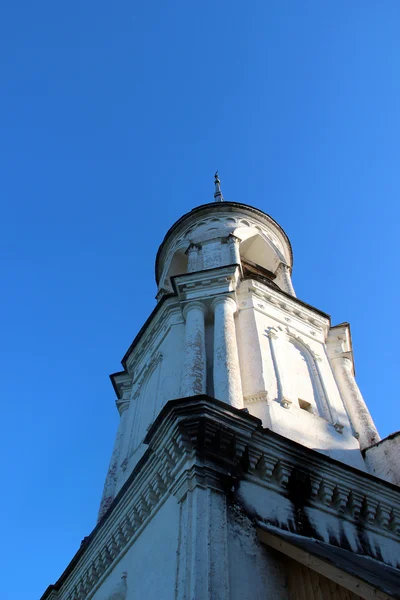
point(246, 464)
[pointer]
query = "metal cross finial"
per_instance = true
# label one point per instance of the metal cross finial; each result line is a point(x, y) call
point(218, 197)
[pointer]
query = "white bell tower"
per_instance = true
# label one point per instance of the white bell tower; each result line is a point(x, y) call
point(243, 437)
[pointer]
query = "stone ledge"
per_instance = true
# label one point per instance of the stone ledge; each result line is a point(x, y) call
point(199, 441)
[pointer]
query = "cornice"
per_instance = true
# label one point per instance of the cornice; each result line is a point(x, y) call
point(158, 309)
point(146, 337)
point(206, 283)
point(338, 489)
point(183, 430)
point(122, 383)
point(159, 328)
point(339, 343)
point(289, 304)
point(199, 441)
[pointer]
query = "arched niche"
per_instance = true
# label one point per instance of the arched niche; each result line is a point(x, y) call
point(256, 248)
point(303, 378)
point(178, 265)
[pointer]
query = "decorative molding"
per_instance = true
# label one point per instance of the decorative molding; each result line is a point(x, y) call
point(177, 436)
point(148, 497)
point(291, 307)
point(194, 304)
point(207, 283)
point(162, 290)
point(231, 239)
point(286, 402)
point(122, 405)
point(192, 248)
point(206, 443)
point(123, 383)
point(339, 427)
point(258, 397)
point(142, 375)
point(169, 315)
point(348, 496)
point(224, 299)
point(272, 333)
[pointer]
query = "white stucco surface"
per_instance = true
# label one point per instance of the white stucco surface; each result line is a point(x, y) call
point(184, 489)
point(383, 459)
point(154, 553)
point(254, 571)
point(245, 341)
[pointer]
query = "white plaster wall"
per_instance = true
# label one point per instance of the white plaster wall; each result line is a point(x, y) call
point(151, 562)
point(160, 385)
point(157, 376)
point(299, 374)
point(254, 571)
point(293, 365)
point(383, 459)
point(211, 252)
point(254, 372)
point(316, 433)
point(203, 553)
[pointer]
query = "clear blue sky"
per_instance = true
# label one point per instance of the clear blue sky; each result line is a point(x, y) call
point(114, 117)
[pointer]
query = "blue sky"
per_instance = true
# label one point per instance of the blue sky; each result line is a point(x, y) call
point(114, 117)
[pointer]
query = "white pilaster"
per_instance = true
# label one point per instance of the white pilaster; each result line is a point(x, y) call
point(227, 381)
point(203, 565)
point(193, 257)
point(233, 244)
point(194, 361)
point(356, 408)
point(284, 390)
point(328, 410)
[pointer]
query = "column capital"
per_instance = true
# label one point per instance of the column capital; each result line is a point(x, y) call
point(161, 292)
point(286, 275)
point(122, 405)
point(345, 359)
point(192, 248)
point(195, 304)
point(272, 334)
point(284, 266)
point(232, 239)
point(227, 300)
